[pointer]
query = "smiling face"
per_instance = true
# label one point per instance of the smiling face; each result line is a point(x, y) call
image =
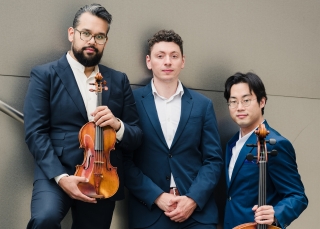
point(165, 61)
point(248, 117)
point(88, 53)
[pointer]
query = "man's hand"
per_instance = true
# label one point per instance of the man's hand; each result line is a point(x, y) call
point(104, 117)
point(184, 209)
point(70, 186)
point(164, 202)
point(263, 214)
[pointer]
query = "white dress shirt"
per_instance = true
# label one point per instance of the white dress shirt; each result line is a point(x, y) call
point(169, 111)
point(236, 150)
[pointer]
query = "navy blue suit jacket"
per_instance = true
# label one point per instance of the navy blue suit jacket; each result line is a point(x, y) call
point(54, 112)
point(194, 159)
point(285, 191)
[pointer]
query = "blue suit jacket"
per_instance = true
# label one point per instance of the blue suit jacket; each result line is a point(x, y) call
point(54, 112)
point(285, 191)
point(194, 159)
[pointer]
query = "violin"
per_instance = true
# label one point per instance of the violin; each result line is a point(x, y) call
point(262, 159)
point(97, 143)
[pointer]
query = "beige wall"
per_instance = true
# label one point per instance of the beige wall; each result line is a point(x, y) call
point(278, 40)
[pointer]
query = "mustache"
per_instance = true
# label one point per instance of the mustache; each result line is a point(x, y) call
point(94, 48)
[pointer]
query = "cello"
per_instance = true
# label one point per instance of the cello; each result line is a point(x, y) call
point(103, 180)
point(262, 159)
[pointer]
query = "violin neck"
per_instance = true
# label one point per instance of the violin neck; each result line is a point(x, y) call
point(98, 146)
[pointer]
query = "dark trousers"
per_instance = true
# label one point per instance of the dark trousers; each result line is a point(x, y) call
point(50, 204)
point(165, 222)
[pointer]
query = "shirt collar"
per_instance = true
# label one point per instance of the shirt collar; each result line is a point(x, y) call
point(179, 90)
point(76, 65)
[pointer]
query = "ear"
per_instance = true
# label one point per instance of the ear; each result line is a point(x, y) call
point(71, 34)
point(262, 102)
point(148, 62)
point(183, 61)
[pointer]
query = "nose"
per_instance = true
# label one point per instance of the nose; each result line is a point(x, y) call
point(92, 40)
point(240, 106)
point(167, 60)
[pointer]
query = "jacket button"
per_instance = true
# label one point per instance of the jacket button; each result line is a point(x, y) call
point(229, 198)
point(167, 177)
point(170, 155)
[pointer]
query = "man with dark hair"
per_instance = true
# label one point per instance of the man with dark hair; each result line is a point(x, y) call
point(58, 103)
point(246, 98)
point(172, 175)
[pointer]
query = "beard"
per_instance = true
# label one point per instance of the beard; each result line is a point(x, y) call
point(89, 61)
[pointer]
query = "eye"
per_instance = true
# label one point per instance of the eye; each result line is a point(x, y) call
point(246, 101)
point(100, 37)
point(233, 102)
point(160, 56)
point(85, 33)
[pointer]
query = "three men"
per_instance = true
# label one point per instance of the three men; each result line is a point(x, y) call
point(58, 103)
point(171, 177)
point(246, 98)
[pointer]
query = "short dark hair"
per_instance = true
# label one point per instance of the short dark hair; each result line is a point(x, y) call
point(254, 82)
point(167, 36)
point(96, 10)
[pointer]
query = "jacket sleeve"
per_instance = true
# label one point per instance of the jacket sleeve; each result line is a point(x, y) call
point(286, 179)
point(209, 174)
point(132, 134)
point(37, 123)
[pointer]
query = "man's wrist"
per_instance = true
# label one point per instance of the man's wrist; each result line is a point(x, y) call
point(58, 178)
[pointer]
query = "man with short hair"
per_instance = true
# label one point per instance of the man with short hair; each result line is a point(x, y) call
point(285, 197)
point(58, 103)
point(172, 175)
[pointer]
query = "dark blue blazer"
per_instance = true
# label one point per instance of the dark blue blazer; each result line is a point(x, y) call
point(285, 191)
point(194, 159)
point(54, 112)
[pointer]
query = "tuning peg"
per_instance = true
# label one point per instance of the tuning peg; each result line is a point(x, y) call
point(271, 141)
point(250, 157)
point(273, 152)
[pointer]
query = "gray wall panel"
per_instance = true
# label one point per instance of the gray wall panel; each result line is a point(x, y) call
point(278, 40)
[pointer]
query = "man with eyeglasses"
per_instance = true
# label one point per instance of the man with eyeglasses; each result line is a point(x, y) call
point(58, 103)
point(246, 98)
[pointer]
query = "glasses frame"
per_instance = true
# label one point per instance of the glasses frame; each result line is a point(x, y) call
point(94, 37)
point(235, 105)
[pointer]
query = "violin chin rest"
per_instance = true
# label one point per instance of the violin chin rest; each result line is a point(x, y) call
point(89, 190)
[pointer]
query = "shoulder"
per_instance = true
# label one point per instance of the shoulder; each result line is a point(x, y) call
point(195, 95)
point(111, 72)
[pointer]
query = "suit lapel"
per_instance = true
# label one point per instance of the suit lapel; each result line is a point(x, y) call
point(242, 156)
point(65, 73)
point(150, 108)
point(107, 77)
point(186, 107)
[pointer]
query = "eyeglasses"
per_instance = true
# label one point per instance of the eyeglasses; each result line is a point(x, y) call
point(86, 36)
point(235, 103)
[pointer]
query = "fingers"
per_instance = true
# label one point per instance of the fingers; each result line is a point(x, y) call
point(264, 214)
point(70, 186)
point(104, 117)
point(185, 207)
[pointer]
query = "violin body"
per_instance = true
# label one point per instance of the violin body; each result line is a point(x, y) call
point(254, 226)
point(96, 166)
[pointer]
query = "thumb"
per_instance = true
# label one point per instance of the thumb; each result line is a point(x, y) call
point(255, 207)
point(81, 179)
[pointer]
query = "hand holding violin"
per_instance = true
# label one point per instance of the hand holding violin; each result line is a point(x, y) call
point(70, 186)
point(104, 117)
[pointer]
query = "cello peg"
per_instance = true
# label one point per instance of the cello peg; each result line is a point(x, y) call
point(273, 152)
point(271, 141)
